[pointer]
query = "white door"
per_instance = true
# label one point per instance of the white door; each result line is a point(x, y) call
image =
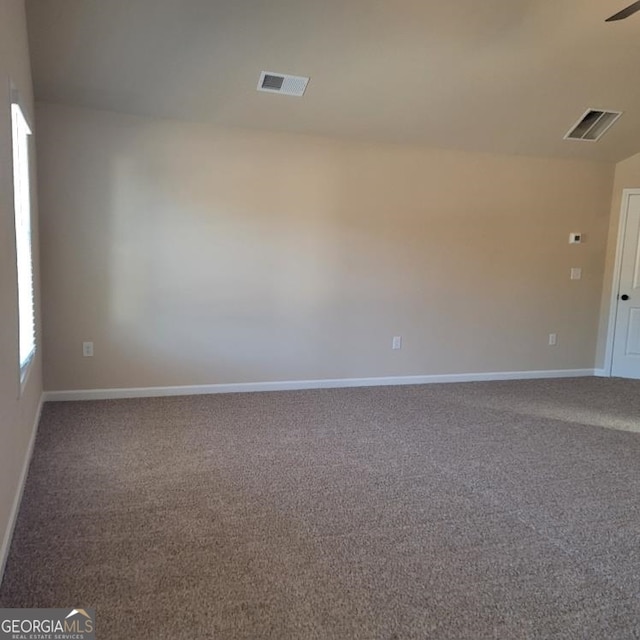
point(626, 342)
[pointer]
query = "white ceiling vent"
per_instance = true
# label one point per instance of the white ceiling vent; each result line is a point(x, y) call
point(282, 83)
point(592, 125)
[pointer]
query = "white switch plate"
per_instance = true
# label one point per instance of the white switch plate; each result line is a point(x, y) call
point(553, 339)
point(576, 273)
point(396, 343)
point(575, 238)
point(87, 349)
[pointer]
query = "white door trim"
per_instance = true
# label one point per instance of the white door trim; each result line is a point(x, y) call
point(615, 283)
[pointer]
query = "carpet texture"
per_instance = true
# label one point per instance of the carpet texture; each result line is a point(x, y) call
point(463, 511)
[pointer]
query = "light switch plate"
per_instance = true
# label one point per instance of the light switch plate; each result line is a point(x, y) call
point(576, 273)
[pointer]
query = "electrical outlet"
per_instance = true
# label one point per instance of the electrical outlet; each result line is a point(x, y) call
point(576, 273)
point(396, 343)
point(553, 339)
point(87, 349)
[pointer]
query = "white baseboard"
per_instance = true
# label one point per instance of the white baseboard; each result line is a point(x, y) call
point(15, 508)
point(601, 373)
point(292, 385)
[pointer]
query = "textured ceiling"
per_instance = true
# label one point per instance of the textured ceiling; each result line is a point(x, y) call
point(506, 76)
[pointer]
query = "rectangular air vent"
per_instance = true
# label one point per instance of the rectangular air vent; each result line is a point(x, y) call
point(592, 125)
point(282, 83)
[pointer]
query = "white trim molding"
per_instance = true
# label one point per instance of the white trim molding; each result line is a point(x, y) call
point(615, 281)
point(15, 508)
point(292, 385)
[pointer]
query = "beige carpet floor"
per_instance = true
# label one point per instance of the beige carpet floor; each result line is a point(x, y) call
point(503, 510)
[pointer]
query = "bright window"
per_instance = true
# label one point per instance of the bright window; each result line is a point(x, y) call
point(22, 207)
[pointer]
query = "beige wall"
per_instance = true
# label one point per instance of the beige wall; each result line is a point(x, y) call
point(627, 176)
point(191, 255)
point(17, 410)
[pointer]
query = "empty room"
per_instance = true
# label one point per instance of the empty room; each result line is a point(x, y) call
point(319, 320)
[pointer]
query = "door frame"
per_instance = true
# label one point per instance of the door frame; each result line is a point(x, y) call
point(615, 281)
